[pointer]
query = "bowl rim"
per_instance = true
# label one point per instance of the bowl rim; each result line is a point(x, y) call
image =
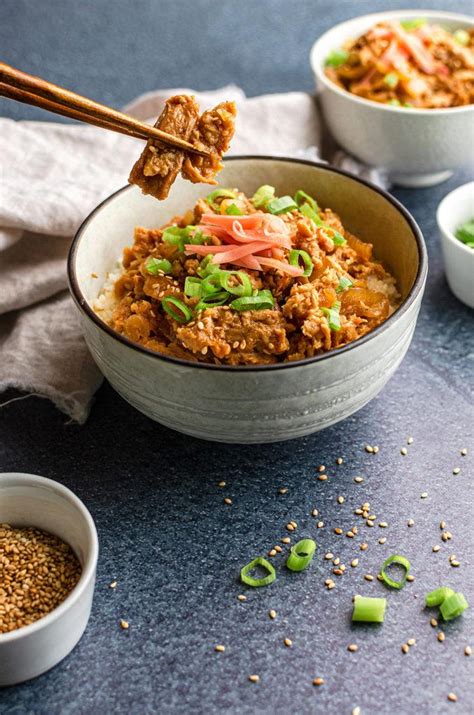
point(442, 207)
point(416, 288)
point(88, 569)
point(316, 62)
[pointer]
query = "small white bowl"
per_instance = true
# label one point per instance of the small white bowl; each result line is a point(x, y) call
point(418, 147)
point(455, 209)
point(30, 500)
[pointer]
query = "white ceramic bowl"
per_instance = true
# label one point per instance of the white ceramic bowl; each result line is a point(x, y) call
point(418, 147)
point(455, 209)
point(261, 403)
point(29, 500)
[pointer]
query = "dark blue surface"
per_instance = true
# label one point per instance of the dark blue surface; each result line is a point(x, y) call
point(165, 534)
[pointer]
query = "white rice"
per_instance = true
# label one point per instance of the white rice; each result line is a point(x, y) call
point(105, 303)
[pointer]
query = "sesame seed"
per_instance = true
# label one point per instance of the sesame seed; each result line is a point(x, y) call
point(369, 522)
point(423, 495)
point(338, 531)
point(338, 572)
point(337, 561)
point(278, 548)
point(368, 577)
point(340, 500)
point(405, 648)
point(290, 527)
point(320, 524)
point(339, 460)
point(410, 440)
point(442, 525)
point(282, 490)
point(452, 697)
point(434, 622)
point(323, 477)
point(436, 548)
point(410, 578)
point(227, 501)
point(410, 522)
point(369, 448)
point(318, 681)
point(364, 547)
point(463, 452)
point(124, 624)
point(272, 614)
point(441, 636)
point(455, 563)
point(350, 534)
point(219, 648)
point(356, 710)
point(113, 584)
point(200, 325)
point(315, 512)
point(359, 480)
point(411, 641)
point(353, 647)
point(288, 642)
point(330, 585)
point(286, 540)
point(456, 470)
point(329, 555)
point(383, 524)
point(293, 523)
point(382, 540)
point(254, 678)
point(321, 468)
point(404, 451)
point(272, 552)
point(468, 650)
point(358, 511)
point(354, 563)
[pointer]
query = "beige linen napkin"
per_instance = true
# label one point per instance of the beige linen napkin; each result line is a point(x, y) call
point(51, 177)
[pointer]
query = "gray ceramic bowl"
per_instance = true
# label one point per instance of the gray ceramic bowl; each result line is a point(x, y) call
point(418, 147)
point(263, 403)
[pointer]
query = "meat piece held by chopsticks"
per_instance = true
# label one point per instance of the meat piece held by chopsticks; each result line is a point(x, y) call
point(159, 165)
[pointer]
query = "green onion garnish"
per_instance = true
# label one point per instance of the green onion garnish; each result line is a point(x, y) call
point(309, 212)
point(179, 236)
point(177, 309)
point(212, 300)
point(301, 555)
point(198, 238)
point(158, 265)
point(465, 233)
point(294, 260)
point(281, 205)
point(301, 197)
point(369, 610)
point(391, 80)
point(408, 105)
point(413, 24)
point(337, 238)
point(436, 597)
point(236, 283)
point(219, 194)
point(334, 318)
point(193, 287)
point(233, 210)
point(462, 37)
point(256, 582)
point(394, 102)
point(206, 267)
point(401, 561)
point(212, 283)
point(263, 195)
point(344, 284)
point(336, 58)
point(263, 300)
point(453, 606)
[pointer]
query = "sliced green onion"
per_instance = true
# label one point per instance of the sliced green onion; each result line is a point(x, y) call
point(309, 212)
point(193, 287)
point(301, 555)
point(198, 238)
point(212, 283)
point(301, 197)
point(413, 24)
point(206, 267)
point(263, 300)
point(212, 300)
point(462, 37)
point(177, 309)
point(281, 205)
point(369, 610)
point(233, 210)
point(294, 260)
point(178, 236)
point(436, 597)
point(334, 318)
point(158, 265)
point(391, 80)
point(219, 194)
point(344, 284)
point(394, 102)
point(465, 233)
point(263, 195)
point(453, 606)
point(262, 581)
point(336, 237)
point(401, 561)
point(336, 58)
point(408, 105)
point(242, 285)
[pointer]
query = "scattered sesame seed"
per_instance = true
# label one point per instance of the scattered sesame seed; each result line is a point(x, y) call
point(405, 648)
point(368, 577)
point(353, 647)
point(410, 578)
point(315, 512)
point(452, 697)
point(272, 552)
point(320, 524)
point(294, 523)
point(340, 500)
point(318, 681)
point(436, 548)
point(286, 540)
point(338, 531)
point(278, 549)
point(124, 624)
point(290, 527)
point(411, 641)
point(468, 650)
point(272, 614)
point(339, 460)
point(288, 642)
point(383, 524)
point(455, 563)
point(219, 648)
point(410, 440)
point(404, 451)
point(241, 597)
point(282, 490)
point(382, 540)
point(369, 522)
point(423, 495)
point(338, 572)
point(350, 534)
point(331, 585)
point(456, 470)
point(113, 584)
point(463, 452)
point(364, 547)
point(442, 525)
point(375, 450)
point(434, 622)
point(337, 561)
point(354, 563)
point(254, 678)
point(368, 448)
point(323, 477)
point(441, 636)
point(359, 480)
point(321, 468)
point(358, 511)
point(94, 275)
point(329, 555)
point(356, 710)
point(221, 484)
point(410, 522)
point(227, 501)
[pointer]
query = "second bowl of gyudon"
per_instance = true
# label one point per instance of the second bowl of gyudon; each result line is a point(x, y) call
point(266, 309)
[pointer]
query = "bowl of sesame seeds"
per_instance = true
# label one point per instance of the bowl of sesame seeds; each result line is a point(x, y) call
point(48, 559)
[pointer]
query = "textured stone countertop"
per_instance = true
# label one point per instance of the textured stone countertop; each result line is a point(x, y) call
point(165, 534)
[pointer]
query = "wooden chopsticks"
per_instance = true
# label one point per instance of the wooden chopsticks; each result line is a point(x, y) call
point(28, 89)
